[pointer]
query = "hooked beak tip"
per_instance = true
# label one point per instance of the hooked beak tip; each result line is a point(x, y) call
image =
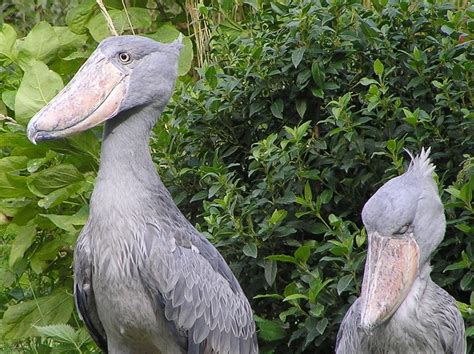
point(32, 133)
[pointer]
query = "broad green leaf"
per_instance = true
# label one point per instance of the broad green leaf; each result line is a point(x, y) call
point(66, 222)
point(250, 250)
point(297, 56)
point(7, 41)
point(277, 216)
point(168, 33)
point(378, 68)
point(78, 16)
point(301, 107)
point(321, 326)
point(282, 258)
point(45, 254)
point(63, 333)
point(7, 277)
point(270, 271)
point(8, 97)
point(366, 81)
point(13, 186)
point(38, 86)
point(277, 108)
point(23, 239)
point(41, 43)
point(302, 254)
point(295, 297)
point(318, 75)
point(68, 39)
point(270, 330)
point(99, 30)
point(60, 195)
point(13, 163)
point(19, 320)
point(343, 283)
point(51, 179)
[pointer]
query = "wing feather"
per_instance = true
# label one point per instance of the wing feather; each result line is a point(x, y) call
point(200, 293)
point(84, 293)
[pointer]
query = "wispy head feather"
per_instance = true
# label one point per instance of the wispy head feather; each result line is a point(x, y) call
point(421, 165)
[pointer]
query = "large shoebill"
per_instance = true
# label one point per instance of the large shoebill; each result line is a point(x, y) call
point(401, 310)
point(146, 281)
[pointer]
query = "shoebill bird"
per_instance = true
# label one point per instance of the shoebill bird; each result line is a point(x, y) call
point(146, 281)
point(401, 310)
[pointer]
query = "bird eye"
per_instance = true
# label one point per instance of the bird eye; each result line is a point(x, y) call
point(124, 57)
point(402, 230)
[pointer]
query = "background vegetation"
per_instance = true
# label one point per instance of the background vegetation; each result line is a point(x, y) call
point(293, 114)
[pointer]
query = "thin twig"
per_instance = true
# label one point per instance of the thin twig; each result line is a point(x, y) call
point(128, 17)
point(108, 19)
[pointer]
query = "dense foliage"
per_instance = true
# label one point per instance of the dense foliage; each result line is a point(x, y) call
point(300, 112)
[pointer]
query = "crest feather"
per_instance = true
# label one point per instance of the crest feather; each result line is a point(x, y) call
point(421, 164)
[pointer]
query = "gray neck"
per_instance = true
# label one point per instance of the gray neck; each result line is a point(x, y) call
point(127, 172)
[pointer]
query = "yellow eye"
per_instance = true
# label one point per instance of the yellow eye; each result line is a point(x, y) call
point(124, 57)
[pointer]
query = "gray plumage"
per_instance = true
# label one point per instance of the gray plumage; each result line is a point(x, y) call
point(146, 281)
point(427, 320)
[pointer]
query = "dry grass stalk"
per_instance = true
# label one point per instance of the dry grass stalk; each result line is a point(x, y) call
point(128, 17)
point(108, 19)
point(201, 31)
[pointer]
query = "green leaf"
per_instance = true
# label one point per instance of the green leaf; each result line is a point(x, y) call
point(63, 333)
point(308, 195)
point(168, 33)
point(282, 258)
point(13, 163)
point(13, 186)
point(38, 86)
point(53, 178)
point(270, 271)
point(343, 283)
point(318, 75)
point(321, 326)
point(297, 56)
point(301, 107)
point(7, 276)
point(78, 16)
point(366, 81)
point(45, 254)
point(277, 216)
point(7, 41)
point(99, 30)
point(295, 297)
point(60, 195)
point(270, 330)
point(41, 43)
point(277, 108)
point(378, 68)
point(392, 146)
point(302, 254)
point(24, 237)
point(18, 320)
point(250, 250)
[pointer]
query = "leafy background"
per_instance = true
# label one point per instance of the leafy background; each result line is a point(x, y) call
point(287, 116)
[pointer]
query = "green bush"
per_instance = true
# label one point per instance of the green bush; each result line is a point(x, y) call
point(301, 114)
point(272, 148)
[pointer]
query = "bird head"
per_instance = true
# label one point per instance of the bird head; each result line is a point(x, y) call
point(124, 72)
point(405, 223)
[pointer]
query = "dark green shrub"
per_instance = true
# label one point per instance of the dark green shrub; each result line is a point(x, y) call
point(301, 114)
